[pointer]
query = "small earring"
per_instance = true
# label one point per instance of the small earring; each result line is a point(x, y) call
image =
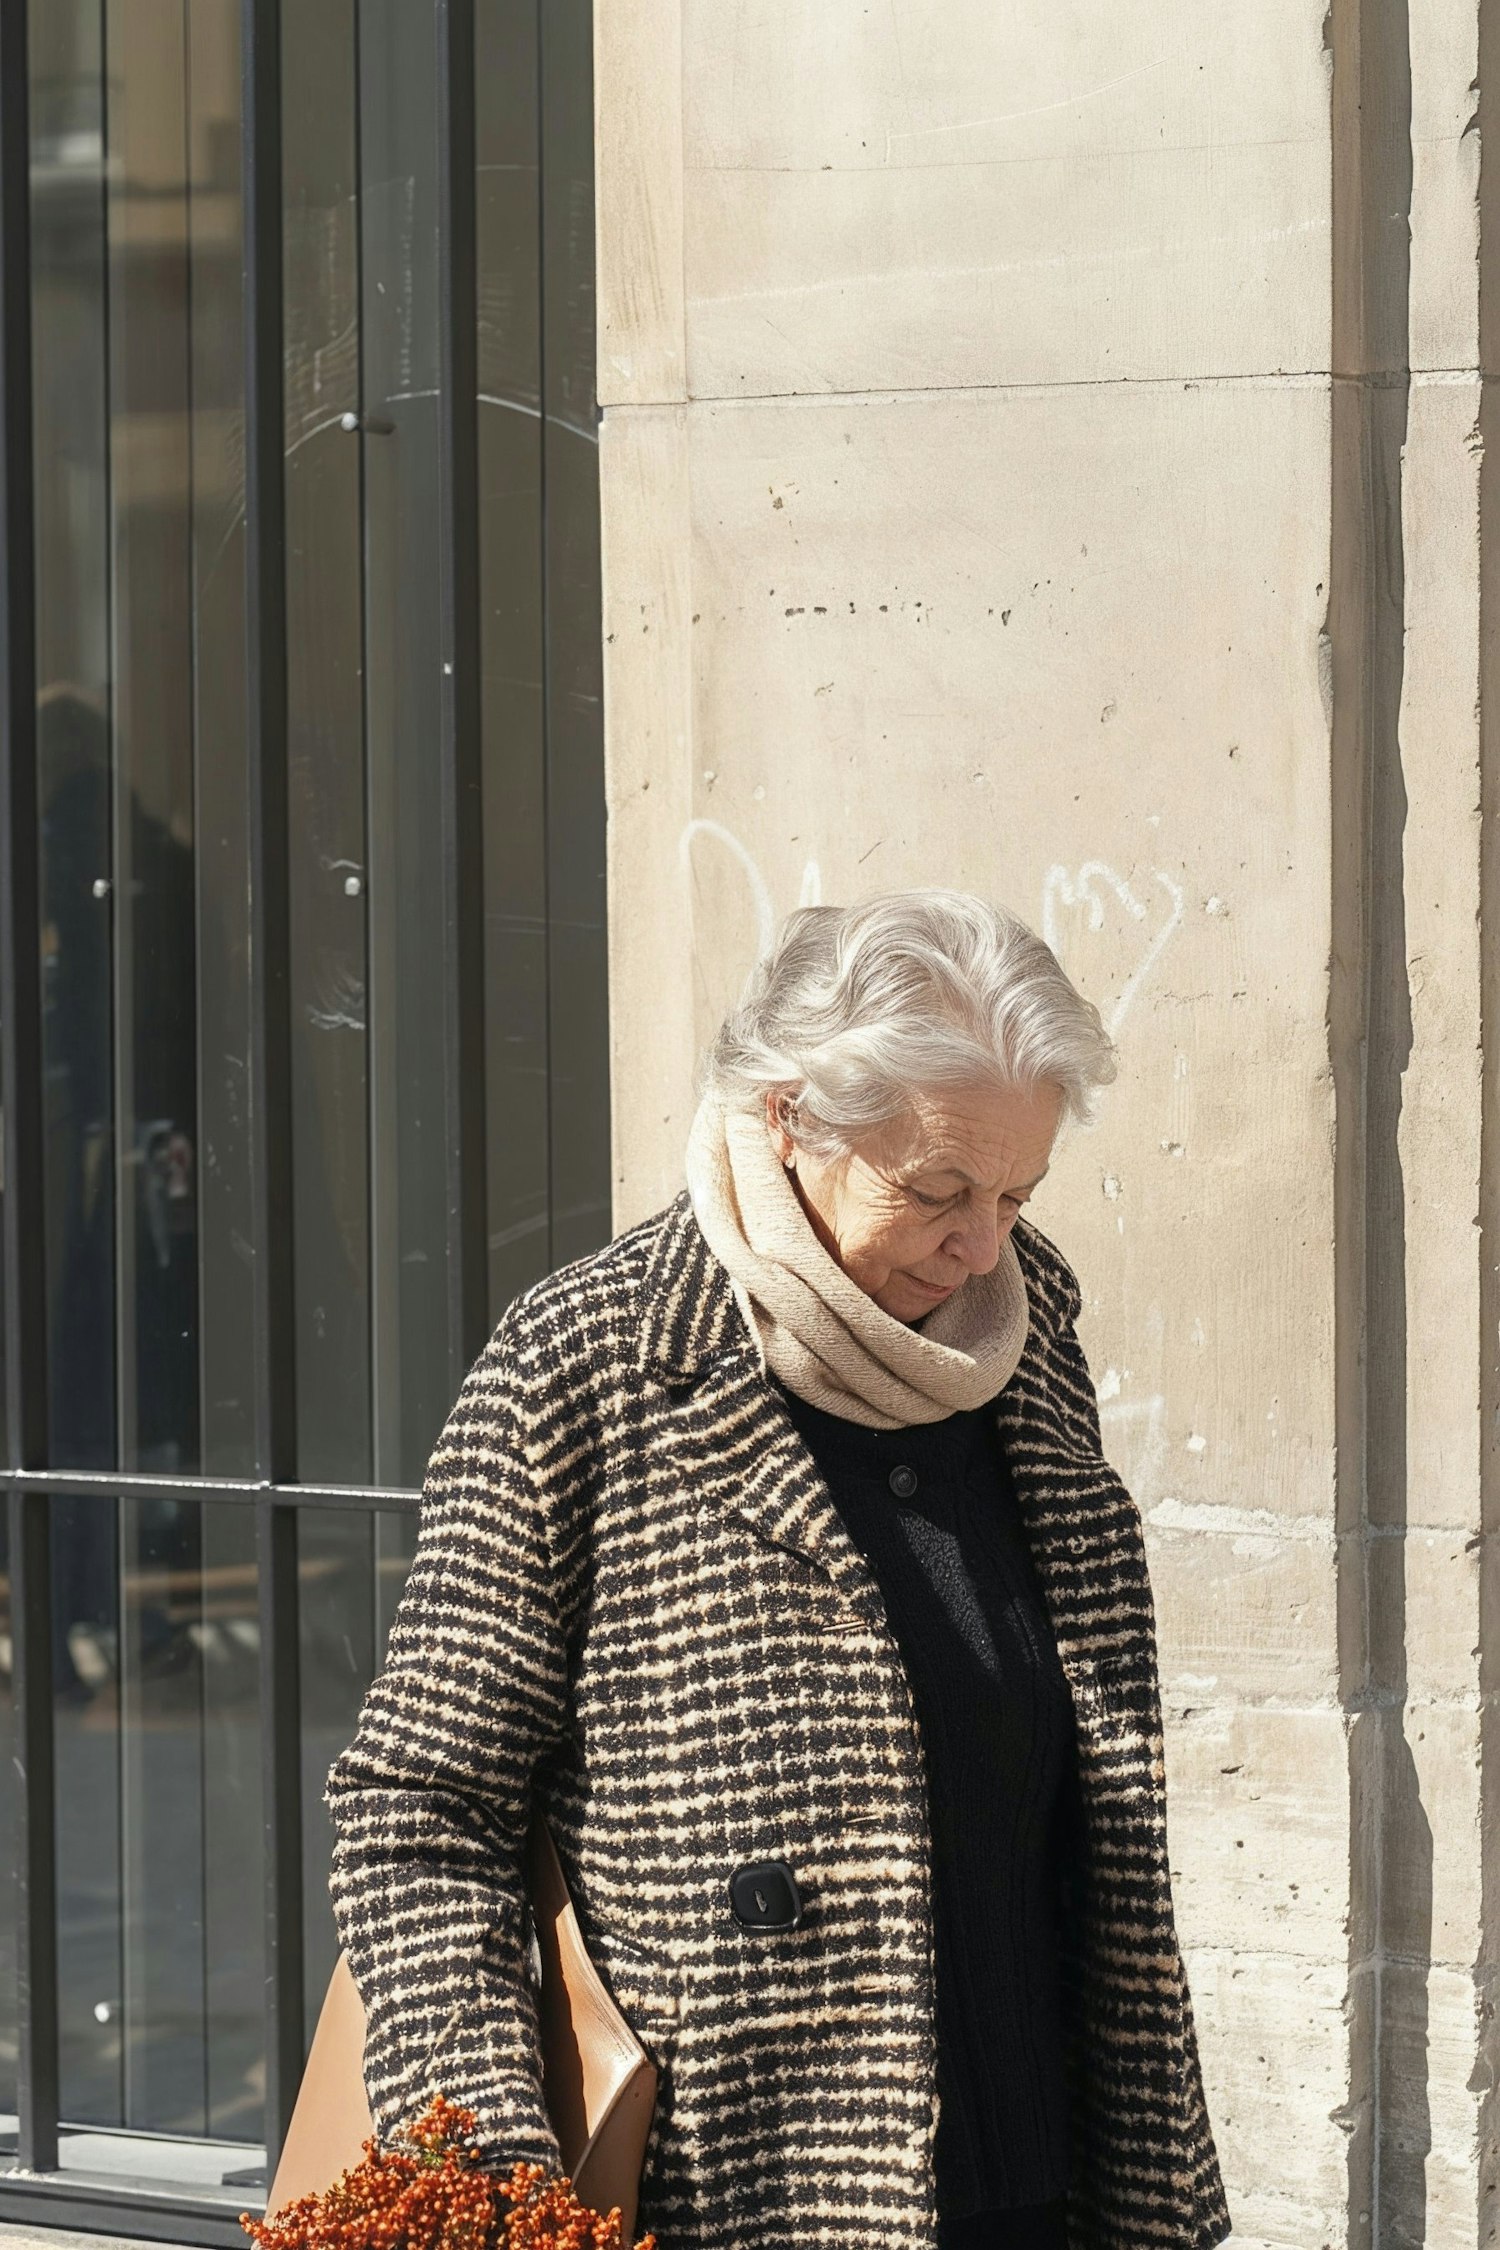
point(790, 1162)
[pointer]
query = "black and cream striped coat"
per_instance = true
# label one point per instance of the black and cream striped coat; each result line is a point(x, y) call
point(632, 1592)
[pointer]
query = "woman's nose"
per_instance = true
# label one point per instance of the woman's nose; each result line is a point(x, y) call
point(978, 1243)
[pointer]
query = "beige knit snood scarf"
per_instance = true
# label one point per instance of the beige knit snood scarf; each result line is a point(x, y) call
point(817, 1330)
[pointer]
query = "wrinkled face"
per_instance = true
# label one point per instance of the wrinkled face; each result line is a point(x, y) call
point(928, 1200)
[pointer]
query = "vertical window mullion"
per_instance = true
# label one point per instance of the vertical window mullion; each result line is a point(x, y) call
point(21, 1099)
point(20, 935)
point(275, 1370)
point(463, 824)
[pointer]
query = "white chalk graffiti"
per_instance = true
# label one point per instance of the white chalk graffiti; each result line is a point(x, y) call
point(811, 893)
point(1061, 888)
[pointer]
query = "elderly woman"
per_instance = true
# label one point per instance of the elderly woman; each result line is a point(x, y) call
point(778, 1534)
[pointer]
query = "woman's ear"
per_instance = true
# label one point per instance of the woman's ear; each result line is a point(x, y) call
point(781, 1139)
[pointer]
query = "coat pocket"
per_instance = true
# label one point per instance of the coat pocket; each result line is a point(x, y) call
point(646, 1988)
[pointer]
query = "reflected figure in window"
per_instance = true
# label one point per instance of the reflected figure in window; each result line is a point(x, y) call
point(118, 1025)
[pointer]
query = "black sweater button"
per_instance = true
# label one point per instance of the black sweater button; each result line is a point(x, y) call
point(903, 1481)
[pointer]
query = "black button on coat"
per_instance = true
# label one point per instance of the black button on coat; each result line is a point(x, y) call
point(633, 1596)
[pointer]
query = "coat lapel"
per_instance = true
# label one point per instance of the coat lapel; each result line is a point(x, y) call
point(1081, 1525)
point(1029, 1435)
point(737, 1447)
point(733, 1439)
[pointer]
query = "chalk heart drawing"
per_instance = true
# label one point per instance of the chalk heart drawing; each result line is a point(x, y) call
point(714, 832)
point(1140, 936)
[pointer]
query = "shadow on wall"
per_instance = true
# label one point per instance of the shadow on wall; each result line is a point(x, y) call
point(1388, 2115)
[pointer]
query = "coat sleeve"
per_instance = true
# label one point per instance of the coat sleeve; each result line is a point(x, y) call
point(430, 1803)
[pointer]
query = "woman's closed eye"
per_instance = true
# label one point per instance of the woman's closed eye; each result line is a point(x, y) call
point(942, 1202)
point(930, 1202)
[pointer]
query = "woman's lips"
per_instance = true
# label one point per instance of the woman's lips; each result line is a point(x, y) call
point(934, 1289)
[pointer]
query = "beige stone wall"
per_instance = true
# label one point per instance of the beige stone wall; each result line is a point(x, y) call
point(1034, 460)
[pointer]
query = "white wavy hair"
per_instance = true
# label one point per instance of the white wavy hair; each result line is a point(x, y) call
point(856, 1009)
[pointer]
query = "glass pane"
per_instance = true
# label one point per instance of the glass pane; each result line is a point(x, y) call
point(71, 357)
point(139, 639)
point(8, 1870)
point(220, 782)
point(329, 875)
point(578, 1030)
point(225, 1629)
point(137, 233)
point(228, 1631)
point(90, 1975)
point(157, 1750)
point(510, 535)
point(151, 466)
point(403, 723)
point(336, 1575)
point(351, 1568)
point(160, 1747)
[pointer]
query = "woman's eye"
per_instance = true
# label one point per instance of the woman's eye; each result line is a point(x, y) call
point(929, 1202)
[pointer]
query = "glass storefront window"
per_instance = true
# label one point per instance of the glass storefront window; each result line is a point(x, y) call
point(150, 1109)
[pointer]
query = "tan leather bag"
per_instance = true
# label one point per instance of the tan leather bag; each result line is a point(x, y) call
point(599, 2082)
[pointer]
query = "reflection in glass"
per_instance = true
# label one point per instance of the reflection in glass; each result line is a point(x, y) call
point(156, 1745)
point(75, 788)
point(219, 779)
point(364, 585)
point(8, 1868)
point(578, 1031)
point(150, 532)
point(159, 1744)
point(90, 1904)
point(403, 722)
point(326, 780)
point(351, 1568)
point(233, 1889)
point(139, 576)
point(233, 1971)
point(507, 214)
point(144, 872)
point(141, 747)
point(71, 469)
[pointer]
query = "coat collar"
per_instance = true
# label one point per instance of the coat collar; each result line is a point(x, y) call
point(736, 1445)
point(688, 1309)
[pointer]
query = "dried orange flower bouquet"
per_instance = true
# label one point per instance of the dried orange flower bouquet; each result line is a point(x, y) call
point(430, 2191)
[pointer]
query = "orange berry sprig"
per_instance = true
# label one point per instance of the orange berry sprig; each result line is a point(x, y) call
point(548, 2213)
point(430, 2191)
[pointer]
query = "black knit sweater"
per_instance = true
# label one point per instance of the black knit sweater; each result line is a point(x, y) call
point(933, 1510)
